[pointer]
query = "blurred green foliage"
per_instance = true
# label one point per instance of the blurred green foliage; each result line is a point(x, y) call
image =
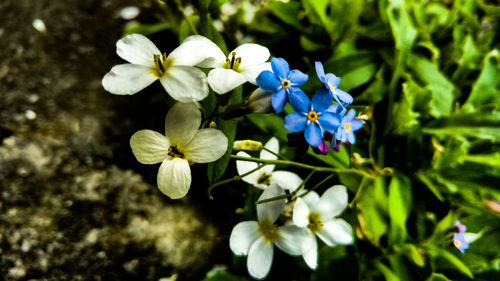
point(427, 75)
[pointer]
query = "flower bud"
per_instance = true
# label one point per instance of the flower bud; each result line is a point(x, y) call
point(249, 145)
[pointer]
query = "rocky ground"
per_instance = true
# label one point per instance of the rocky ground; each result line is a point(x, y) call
point(74, 204)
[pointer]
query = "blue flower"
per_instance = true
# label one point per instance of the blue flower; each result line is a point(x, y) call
point(281, 82)
point(345, 132)
point(460, 242)
point(331, 83)
point(311, 116)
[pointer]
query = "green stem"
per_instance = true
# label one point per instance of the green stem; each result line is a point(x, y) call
point(235, 178)
point(316, 186)
point(301, 165)
point(186, 18)
point(204, 18)
point(287, 195)
point(274, 153)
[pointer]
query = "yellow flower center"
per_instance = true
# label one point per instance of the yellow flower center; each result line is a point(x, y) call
point(269, 230)
point(331, 88)
point(347, 126)
point(457, 243)
point(161, 65)
point(315, 223)
point(264, 178)
point(233, 63)
point(174, 151)
point(312, 116)
point(285, 83)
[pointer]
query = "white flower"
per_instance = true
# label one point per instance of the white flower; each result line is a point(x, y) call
point(256, 238)
point(317, 215)
point(266, 175)
point(181, 145)
point(181, 80)
point(242, 64)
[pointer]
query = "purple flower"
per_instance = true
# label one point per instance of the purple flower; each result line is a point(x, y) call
point(461, 228)
point(331, 83)
point(282, 82)
point(311, 116)
point(345, 132)
point(460, 242)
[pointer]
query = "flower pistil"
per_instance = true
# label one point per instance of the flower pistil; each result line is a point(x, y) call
point(233, 63)
point(269, 230)
point(315, 223)
point(161, 65)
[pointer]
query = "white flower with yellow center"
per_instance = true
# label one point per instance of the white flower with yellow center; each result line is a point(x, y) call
point(181, 145)
point(181, 80)
point(242, 64)
point(266, 175)
point(318, 216)
point(256, 238)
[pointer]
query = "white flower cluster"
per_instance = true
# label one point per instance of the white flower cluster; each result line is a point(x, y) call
point(312, 216)
point(178, 72)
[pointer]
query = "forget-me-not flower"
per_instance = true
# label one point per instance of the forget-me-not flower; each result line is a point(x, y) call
point(332, 82)
point(345, 132)
point(282, 82)
point(461, 239)
point(311, 116)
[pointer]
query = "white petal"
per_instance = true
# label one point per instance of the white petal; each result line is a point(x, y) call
point(310, 251)
point(260, 259)
point(138, 49)
point(223, 80)
point(251, 54)
point(332, 202)
point(182, 123)
point(149, 147)
point(127, 79)
point(291, 239)
point(206, 146)
point(336, 231)
point(470, 237)
point(271, 210)
point(174, 178)
point(273, 145)
point(252, 72)
point(242, 237)
point(300, 213)
point(246, 166)
point(185, 83)
point(200, 51)
point(286, 180)
point(311, 199)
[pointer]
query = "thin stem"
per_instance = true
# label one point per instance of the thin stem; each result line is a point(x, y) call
point(291, 194)
point(316, 186)
point(186, 18)
point(301, 165)
point(235, 178)
point(274, 153)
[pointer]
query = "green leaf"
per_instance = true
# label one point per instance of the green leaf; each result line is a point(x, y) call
point(402, 29)
point(441, 89)
point(437, 277)
point(427, 180)
point(450, 258)
point(389, 275)
point(145, 29)
point(480, 125)
point(335, 159)
point(271, 124)
point(405, 119)
point(219, 273)
point(413, 254)
point(399, 207)
point(316, 10)
point(287, 12)
point(487, 87)
point(372, 206)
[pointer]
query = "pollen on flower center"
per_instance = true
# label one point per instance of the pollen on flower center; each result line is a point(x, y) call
point(312, 116)
point(269, 230)
point(264, 178)
point(233, 63)
point(347, 126)
point(457, 243)
point(315, 223)
point(161, 65)
point(285, 83)
point(173, 151)
point(331, 88)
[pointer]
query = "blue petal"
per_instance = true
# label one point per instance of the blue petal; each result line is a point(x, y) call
point(295, 122)
point(350, 136)
point(313, 134)
point(333, 142)
point(280, 67)
point(336, 108)
point(341, 135)
point(333, 80)
point(356, 124)
point(329, 121)
point(278, 100)
point(349, 116)
point(343, 96)
point(321, 100)
point(297, 78)
point(319, 70)
point(268, 81)
point(298, 100)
